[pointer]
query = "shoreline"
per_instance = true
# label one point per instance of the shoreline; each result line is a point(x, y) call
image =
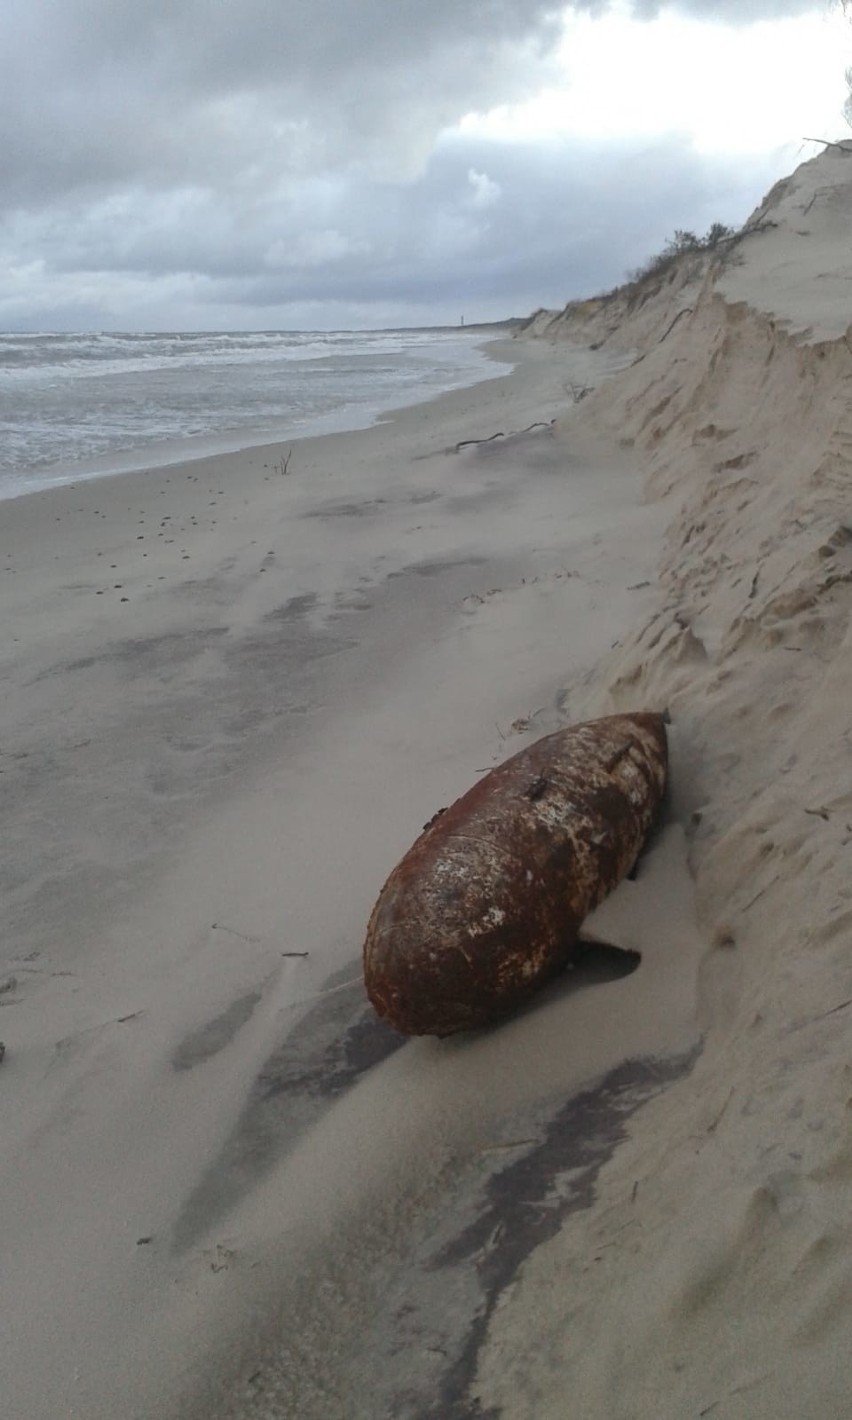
point(174, 452)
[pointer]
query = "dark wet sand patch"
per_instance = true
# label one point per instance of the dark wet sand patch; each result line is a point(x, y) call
point(435, 569)
point(145, 653)
point(295, 609)
point(413, 1351)
point(347, 510)
point(520, 1206)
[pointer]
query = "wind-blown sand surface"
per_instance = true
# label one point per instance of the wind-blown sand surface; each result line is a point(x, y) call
point(233, 698)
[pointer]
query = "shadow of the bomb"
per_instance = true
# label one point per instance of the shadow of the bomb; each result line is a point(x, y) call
point(436, 1291)
point(324, 1055)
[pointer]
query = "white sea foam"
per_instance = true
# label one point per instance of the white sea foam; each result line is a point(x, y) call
point(78, 405)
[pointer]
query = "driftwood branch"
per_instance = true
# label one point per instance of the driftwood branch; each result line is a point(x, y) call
point(820, 192)
point(578, 392)
point(829, 143)
point(465, 443)
point(687, 311)
point(515, 433)
point(232, 932)
point(765, 225)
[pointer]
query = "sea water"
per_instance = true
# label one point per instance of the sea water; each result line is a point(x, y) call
point(78, 406)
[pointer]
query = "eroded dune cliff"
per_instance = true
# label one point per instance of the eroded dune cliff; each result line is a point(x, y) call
point(715, 1275)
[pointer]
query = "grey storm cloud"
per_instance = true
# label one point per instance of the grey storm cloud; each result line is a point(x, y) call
point(255, 154)
point(732, 12)
point(491, 230)
point(95, 93)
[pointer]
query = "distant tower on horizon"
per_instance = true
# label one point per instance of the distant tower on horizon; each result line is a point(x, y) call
point(461, 322)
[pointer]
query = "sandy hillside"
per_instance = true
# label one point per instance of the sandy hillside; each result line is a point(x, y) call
point(713, 1275)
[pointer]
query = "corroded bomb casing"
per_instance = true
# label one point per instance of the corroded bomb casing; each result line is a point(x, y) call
point(486, 905)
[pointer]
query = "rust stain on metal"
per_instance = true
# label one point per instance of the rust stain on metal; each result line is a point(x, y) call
point(488, 902)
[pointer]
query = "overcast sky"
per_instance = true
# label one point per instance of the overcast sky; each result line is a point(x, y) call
point(203, 164)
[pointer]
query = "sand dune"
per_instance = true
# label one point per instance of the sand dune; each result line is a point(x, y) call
point(713, 1274)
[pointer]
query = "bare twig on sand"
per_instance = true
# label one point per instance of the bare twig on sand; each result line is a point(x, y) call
point(578, 392)
point(713, 1126)
point(822, 1016)
point(539, 424)
point(220, 927)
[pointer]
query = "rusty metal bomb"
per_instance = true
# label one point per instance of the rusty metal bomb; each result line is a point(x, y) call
point(488, 902)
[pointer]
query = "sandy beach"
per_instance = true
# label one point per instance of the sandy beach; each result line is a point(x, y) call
point(233, 696)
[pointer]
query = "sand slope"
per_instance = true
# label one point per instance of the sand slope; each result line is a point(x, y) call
point(713, 1275)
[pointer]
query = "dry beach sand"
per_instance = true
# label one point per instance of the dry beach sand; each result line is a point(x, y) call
point(232, 698)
